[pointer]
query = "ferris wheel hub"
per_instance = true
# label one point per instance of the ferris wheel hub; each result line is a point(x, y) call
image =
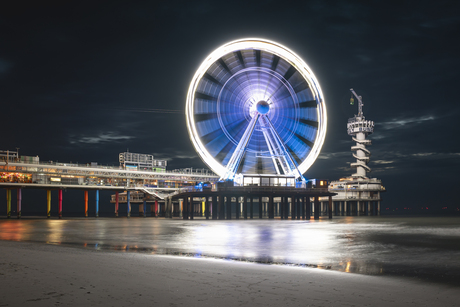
point(263, 107)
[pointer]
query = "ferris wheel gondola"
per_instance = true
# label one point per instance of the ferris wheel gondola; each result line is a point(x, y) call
point(255, 107)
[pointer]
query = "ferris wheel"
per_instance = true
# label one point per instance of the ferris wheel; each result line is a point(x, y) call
point(255, 107)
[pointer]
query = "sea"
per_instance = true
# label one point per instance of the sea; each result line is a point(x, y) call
point(422, 248)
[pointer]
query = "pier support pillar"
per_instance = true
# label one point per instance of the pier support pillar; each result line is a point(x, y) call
point(237, 208)
point(214, 207)
point(192, 208)
point(206, 207)
point(378, 207)
point(145, 208)
point(184, 208)
point(60, 204)
point(86, 203)
point(271, 208)
point(116, 203)
point(229, 207)
point(298, 207)
point(220, 207)
point(245, 207)
point(155, 213)
point(128, 203)
point(293, 208)
point(19, 200)
point(8, 203)
point(251, 209)
point(97, 203)
point(317, 208)
point(330, 207)
point(260, 207)
point(282, 209)
point(303, 208)
point(48, 203)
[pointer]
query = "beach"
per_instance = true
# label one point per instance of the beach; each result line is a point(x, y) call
point(163, 262)
point(35, 274)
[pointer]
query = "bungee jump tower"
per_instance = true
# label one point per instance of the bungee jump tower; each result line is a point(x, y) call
point(358, 194)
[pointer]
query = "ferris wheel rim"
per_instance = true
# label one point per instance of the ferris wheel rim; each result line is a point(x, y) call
point(275, 49)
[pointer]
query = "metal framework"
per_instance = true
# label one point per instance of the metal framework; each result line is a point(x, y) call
point(255, 107)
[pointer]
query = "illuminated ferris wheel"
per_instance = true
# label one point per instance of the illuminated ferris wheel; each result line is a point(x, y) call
point(255, 107)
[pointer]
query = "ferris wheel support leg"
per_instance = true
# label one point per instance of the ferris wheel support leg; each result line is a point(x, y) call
point(235, 159)
point(283, 153)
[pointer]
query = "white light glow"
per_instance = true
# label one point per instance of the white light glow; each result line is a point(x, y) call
point(269, 47)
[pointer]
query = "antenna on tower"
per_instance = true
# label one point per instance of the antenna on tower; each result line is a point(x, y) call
point(360, 102)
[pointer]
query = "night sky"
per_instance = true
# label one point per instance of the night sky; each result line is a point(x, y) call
point(80, 81)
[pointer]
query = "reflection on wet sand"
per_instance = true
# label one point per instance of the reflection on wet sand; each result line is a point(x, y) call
point(371, 246)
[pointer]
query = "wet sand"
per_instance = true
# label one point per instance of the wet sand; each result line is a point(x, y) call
point(34, 274)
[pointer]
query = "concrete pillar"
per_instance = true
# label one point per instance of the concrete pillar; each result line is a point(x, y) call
point(271, 208)
point(317, 207)
point(229, 207)
point(251, 210)
point(293, 208)
point(97, 203)
point(8, 203)
point(191, 211)
point(206, 207)
point(245, 207)
point(48, 203)
point(19, 202)
point(86, 203)
point(185, 208)
point(117, 198)
point(221, 206)
point(260, 207)
point(282, 208)
point(330, 207)
point(303, 207)
point(298, 206)
point(60, 204)
point(345, 208)
point(378, 207)
point(214, 207)
point(237, 208)
point(128, 202)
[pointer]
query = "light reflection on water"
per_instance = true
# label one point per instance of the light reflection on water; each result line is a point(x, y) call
point(427, 248)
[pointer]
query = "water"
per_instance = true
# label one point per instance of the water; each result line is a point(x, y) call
point(425, 248)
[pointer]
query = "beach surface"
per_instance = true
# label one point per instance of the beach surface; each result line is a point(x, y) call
point(37, 274)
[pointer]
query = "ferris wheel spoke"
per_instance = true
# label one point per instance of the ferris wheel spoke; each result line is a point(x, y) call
point(239, 56)
point(231, 136)
point(308, 104)
point(235, 159)
point(308, 122)
point(212, 79)
point(200, 117)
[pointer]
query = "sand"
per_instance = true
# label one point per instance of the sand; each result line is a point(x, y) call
point(33, 274)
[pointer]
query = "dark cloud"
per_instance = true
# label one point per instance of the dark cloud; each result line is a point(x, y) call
point(83, 81)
